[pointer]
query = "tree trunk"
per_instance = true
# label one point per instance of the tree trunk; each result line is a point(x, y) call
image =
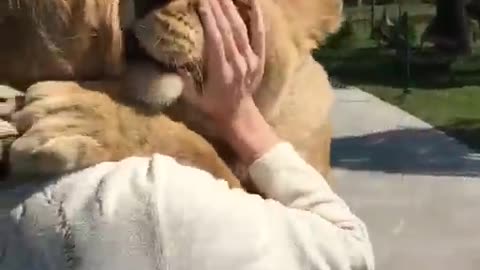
point(450, 29)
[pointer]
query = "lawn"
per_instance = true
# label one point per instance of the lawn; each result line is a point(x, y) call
point(452, 106)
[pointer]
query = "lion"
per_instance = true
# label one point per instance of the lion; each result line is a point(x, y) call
point(81, 44)
point(76, 124)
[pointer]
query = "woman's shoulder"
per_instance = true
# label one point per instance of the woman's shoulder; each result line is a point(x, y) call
point(108, 186)
point(74, 188)
point(67, 214)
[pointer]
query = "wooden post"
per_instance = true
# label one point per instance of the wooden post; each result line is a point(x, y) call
point(399, 7)
point(372, 17)
point(406, 89)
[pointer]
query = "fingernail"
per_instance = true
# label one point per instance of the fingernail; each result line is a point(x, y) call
point(202, 9)
point(203, 6)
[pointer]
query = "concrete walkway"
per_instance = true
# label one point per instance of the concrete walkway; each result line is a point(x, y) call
point(417, 189)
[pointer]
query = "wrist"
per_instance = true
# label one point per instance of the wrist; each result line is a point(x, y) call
point(248, 133)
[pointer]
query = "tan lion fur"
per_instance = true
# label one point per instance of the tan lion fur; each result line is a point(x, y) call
point(59, 40)
point(76, 125)
point(81, 40)
point(295, 95)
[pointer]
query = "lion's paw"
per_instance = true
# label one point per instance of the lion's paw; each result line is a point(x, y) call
point(34, 155)
point(57, 130)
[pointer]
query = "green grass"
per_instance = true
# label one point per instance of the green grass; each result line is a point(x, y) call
point(451, 106)
point(453, 110)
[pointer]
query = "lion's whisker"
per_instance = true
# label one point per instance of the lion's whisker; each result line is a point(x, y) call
point(157, 41)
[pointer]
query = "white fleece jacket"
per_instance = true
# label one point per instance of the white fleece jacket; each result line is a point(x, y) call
point(155, 214)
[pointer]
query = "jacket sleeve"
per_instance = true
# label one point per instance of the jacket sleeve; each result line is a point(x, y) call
point(284, 176)
point(303, 224)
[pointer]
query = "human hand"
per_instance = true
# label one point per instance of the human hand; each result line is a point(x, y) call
point(235, 66)
point(234, 62)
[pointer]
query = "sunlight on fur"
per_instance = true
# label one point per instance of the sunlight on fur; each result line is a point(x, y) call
point(75, 40)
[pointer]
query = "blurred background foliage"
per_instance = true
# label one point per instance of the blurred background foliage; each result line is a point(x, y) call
point(415, 73)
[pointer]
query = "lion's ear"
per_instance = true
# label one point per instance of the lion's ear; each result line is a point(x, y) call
point(313, 20)
point(322, 18)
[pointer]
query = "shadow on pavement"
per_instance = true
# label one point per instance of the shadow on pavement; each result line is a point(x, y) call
point(408, 151)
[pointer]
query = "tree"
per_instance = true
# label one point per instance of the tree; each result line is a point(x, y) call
point(449, 30)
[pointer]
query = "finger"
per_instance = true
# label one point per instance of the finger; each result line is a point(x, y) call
point(225, 30)
point(240, 33)
point(238, 27)
point(258, 33)
point(214, 44)
point(236, 60)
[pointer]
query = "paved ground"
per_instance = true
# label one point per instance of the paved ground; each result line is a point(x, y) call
point(417, 189)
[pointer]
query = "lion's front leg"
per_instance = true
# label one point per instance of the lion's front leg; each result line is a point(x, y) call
point(58, 126)
point(67, 126)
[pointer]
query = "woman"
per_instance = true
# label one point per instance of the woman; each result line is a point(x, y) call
point(153, 213)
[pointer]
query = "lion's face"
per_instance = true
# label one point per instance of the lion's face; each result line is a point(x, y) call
point(172, 34)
